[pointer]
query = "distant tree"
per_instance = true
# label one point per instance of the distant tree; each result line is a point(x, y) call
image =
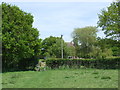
point(70, 49)
point(109, 20)
point(47, 45)
point(52, 47)
point(84, 39)
point(20, 43)
point(105, 49)
point(110, 44)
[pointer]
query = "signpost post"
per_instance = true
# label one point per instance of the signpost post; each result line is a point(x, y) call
point(61, 47)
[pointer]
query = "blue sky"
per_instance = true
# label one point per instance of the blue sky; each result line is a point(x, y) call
point(56, 18)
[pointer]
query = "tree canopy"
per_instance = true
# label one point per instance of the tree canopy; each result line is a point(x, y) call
point(88, 45)
point(20, 41)
point(86, 35)
point(84, 39)
point(109, 20)
point(51, 47)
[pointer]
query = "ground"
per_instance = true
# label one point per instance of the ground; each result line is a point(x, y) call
point(69, 78)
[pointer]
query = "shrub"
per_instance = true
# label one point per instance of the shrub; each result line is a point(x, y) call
point(110, 63)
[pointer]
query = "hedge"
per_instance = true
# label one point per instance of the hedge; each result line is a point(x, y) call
point(111, 63)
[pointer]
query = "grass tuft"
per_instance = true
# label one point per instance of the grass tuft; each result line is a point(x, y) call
point(105, 77)
point(95, 73)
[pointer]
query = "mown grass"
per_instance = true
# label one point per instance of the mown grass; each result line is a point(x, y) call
point(79, 78)
point(0, 81)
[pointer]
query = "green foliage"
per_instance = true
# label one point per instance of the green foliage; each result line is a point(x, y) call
point(109, 63)
point(20, 43)
point(109, 47)
point(70, 50)
point(84, 39)
point(109, 20)
point(85, 36)
point(51, 47)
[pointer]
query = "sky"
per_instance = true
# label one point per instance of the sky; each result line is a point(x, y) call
point(56, 18)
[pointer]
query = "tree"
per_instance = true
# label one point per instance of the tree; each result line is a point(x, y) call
point(107, 43)
point(105, 48)
point(20, 43)
point(84, 39)
point(51, 47)
point(47, 45)
point(109, 20)
point(70, 49)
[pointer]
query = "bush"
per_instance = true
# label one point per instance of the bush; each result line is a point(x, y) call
point(111, 63)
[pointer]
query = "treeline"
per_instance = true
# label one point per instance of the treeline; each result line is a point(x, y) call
point(51, 48)
point(21, 47)
point(88, 45)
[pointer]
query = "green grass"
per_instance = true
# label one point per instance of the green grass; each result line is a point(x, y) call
point(79, 78)
point(0, 81)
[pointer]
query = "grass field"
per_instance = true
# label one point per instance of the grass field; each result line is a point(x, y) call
point(79, 78)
